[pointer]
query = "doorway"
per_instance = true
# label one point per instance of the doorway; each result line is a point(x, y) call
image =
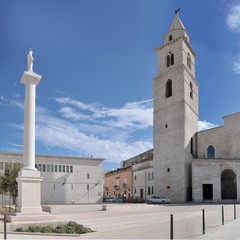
point(141, 193)
point(228, 184)
point(207, 191)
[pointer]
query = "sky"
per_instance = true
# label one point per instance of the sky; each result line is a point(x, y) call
point(97, 59)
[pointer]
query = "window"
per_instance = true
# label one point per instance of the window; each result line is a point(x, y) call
point(166, 126)
point(67, 169)
point(210, 152)
point(71, 169)
point(87, 186)
point(51, 168)
point(63, 168)
point(135, 190)
point(43, 168)
point(189, 61)
point(168, 169)
point(149, 190)
point(48, 168)
point(168, 187)
point(170, 59)
point(169, 88)
point(56, 168)
point(135, 177)
point(170, 38)
point(54, 187)
point(88, 175)
point(39, 167)
point(60, 168)
point(191, 90)
point(152, 189)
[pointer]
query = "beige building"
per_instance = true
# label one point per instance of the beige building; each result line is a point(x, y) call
point(187, 164)
point(65, 179)
point(118, 183)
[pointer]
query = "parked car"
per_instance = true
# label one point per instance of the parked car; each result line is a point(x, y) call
point(119, 199)
point(108, 199)
point(157, 199)
point(135, 200)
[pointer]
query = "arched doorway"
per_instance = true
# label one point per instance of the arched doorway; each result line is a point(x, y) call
point(229, 184)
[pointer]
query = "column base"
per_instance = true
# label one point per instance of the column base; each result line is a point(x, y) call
point(20, 216)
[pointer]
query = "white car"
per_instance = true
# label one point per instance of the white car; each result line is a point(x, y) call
point(157, 199)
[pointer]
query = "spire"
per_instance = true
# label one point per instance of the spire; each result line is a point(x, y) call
point(177, 23)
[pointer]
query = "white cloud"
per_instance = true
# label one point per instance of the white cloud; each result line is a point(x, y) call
point(92, 129)
point(236, 67)
point(233, 18)
point(204, 125)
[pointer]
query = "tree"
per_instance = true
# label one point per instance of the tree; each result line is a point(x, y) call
point(8, 183)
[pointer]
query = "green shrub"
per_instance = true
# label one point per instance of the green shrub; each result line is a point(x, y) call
point(70, 228)
point(19, 229)
point(47, 229)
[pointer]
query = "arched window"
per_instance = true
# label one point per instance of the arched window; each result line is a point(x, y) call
point(189, 61)
point(210, 152)
point(191, 90)
point(170, 38)
point(169, 88)
point(170, 59)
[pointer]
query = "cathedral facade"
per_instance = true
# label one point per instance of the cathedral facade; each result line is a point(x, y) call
point(189, 165)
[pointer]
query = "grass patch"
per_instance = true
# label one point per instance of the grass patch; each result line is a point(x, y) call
point(70, 228)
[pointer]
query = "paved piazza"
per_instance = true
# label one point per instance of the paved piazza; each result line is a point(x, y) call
point(142, 221)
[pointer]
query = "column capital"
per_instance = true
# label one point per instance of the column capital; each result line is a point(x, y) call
point(30, 76)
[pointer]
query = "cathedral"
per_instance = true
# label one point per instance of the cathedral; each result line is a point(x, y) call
point(189, 165)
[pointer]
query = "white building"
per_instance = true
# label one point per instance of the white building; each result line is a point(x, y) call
point(142, 174)
point(187, 164)
point(65, 179)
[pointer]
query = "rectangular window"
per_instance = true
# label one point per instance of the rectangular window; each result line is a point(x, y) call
point(56, 168)
point(71, 169)
point(54, 187)
point(48, 168)
point(135, 177)
point(149, 190)
point(135, 190)
point(39, 167)
point(152, 189)
point(72, 186)
point(60, 168)
point(67, 169)
point(63, 168)
point(87, 186)
point(51, 168)
point(43, 168)
point(168, 169)
point(88, 176)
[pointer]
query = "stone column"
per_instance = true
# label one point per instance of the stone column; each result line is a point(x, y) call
point(30, 79)
point(29, 178)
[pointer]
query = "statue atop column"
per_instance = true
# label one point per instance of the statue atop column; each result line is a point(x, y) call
point(30, 60)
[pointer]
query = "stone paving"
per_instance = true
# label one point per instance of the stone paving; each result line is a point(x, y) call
point(142, 221)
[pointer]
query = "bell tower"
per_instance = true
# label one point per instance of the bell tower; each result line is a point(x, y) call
point(175, 114)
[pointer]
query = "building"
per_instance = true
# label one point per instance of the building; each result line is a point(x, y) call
point(216, 167)
point(175, 114)
point(65, 179)
point(142, 174)
point(118, 183)
point(187, 164)
point(134, 178)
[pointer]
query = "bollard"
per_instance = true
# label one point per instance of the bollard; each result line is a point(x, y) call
point(171, 226)
point(5, 226)
point(222, 215)
point(203, 221)
point(235, 216)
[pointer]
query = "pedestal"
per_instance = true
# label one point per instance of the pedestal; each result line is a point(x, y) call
point(29, 198)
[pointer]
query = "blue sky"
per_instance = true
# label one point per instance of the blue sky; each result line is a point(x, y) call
point(97, 60)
